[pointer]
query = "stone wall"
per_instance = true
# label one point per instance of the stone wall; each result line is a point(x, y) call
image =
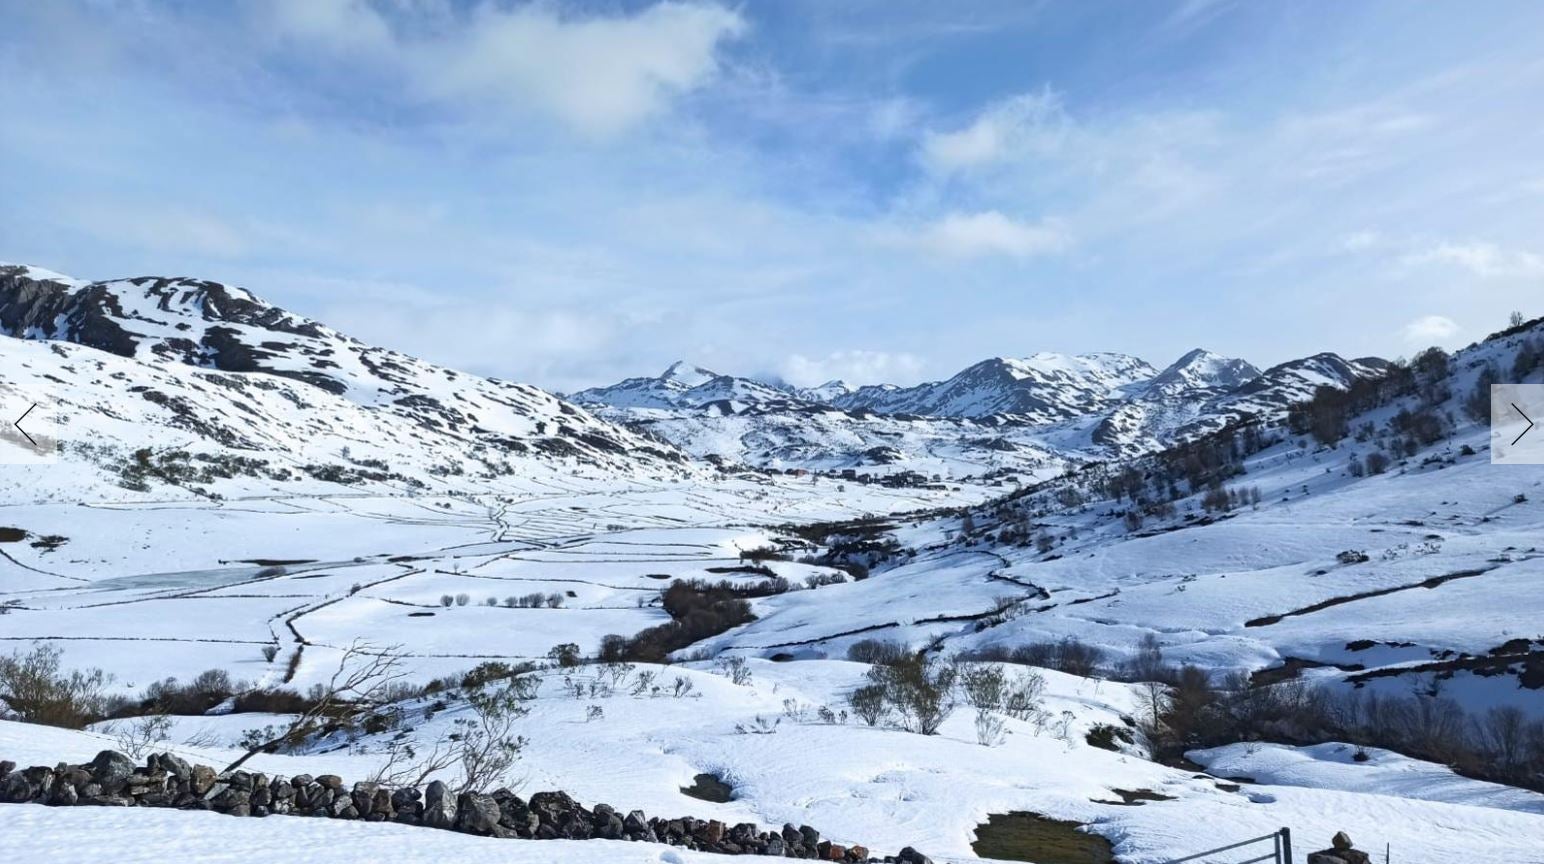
point(167, 780)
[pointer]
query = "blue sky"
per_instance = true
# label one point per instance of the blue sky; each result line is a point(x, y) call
point(572, 192)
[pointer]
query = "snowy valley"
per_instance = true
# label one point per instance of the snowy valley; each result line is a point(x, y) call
point(1156, 609)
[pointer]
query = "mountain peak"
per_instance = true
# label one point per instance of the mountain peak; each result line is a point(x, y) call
point(1200, 369)
point(687, 374)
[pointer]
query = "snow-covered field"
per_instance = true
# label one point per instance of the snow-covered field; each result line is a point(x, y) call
point(261, 519)
point(184, 595)
point(878, 786)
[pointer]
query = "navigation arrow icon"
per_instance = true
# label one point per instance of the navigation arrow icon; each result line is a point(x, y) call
point(1514, 408)
point(17, 423)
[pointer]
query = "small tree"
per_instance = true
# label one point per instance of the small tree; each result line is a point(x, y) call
point(139, 736)
point(920, 690)
point(486, 743)
point(360, 687)
point(566, 655)
point(1377, 462)
point(869, 703)
point(983, 685)
point(35, 688)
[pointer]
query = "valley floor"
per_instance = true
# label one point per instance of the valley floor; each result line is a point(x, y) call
point(201, 585)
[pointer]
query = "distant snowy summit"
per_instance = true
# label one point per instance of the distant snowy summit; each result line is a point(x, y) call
point(1109, 402)
point(1042, 388)
point(685, 387)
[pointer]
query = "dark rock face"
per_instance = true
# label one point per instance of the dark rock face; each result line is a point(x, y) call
point(166, 780)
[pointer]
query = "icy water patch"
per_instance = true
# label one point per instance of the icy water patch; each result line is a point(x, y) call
point(202, 579)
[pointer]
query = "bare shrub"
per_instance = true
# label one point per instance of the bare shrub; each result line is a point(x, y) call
point(36, 689)
point(736, 669)
point(139, 736)
point(990, 730)
point(1022, 695)
point(983, 685)
point(877, 651)
point(1069, 655)
point(358, 689)
point(869, 704)
point(919, 689)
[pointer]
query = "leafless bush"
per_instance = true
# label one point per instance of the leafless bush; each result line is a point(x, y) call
point(877, 651)
point(990, 730)
point(920, 690)
point(983, 685)
point(139, 736)
point(36, 689)
point(355, 692)
point(869, 704)
point(1022, 695)
point(736, 669)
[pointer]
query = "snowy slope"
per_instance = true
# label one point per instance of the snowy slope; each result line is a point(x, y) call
point(185, 365)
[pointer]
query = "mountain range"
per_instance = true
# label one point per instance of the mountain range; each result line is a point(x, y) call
point(183, 381)
point(1086, 405)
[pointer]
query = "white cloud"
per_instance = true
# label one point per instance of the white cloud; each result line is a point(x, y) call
point(170, 229)
point(1361, 241)
point(1482, 259)
point(343, 23)
point(854, 367)
point(974, 235)
point(598, 74)
point(1003, 131)
point(1430, 330)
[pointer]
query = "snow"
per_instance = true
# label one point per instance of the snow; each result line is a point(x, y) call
point(1335, 766)
point(155, 836)
point(175, 578)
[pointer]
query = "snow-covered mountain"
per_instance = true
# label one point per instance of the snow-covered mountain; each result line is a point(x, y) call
point(1043, 388)
point(1199, 371)
point(684, 387)
point(176, 365)
point(1001, 414)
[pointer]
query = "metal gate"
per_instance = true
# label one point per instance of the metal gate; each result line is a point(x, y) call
point(1279, 843)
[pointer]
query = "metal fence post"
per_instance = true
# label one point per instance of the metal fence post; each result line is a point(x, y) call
point(1286, 845)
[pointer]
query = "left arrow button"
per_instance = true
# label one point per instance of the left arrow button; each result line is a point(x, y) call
point(17, 423)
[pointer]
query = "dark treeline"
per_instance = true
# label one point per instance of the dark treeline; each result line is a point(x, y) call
point(1500, 744)
point(698, 609)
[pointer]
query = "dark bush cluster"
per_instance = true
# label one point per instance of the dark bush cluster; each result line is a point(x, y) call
point(698, 609)
point(1500, 744)
point(1069, 655)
